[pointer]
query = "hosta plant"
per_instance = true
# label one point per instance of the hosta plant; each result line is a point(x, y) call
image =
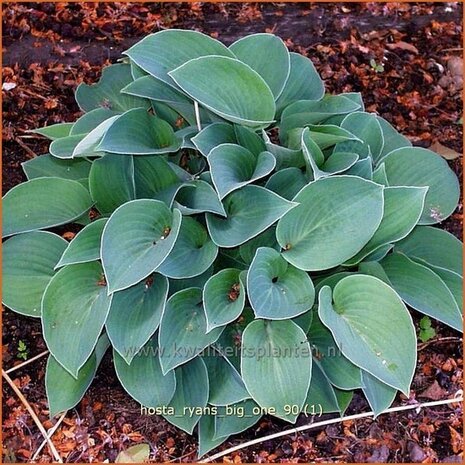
point(246, 244)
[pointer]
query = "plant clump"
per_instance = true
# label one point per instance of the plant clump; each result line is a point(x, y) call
point(247, 242)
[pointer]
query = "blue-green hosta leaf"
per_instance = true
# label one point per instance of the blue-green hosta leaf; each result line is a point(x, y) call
point(367, 128)
point(89, 121)
point(250, 210)
point(303, 83)
point(43, 203)
point(327, 135)
point(143, 379)
point(197, 281)
point(191, 395)
point(285, 157)
point(373, 268)
point(380, 396)
point(111, 182)
point(185, 135)
point(75, 306)
point(135, 315)
point(341, 372)
point(137, 238)
point(304, 321)
point(402, 210)
point(137, 132)
point(305, 112)
point(63, 148)
point(170, 48)
point(362, 168)
point(362, 319)
point(287, 182)
point(414, 166)
point(335, 218)
point(233, 166)
point(136, 71)
point(236, 418)
point(85, 247)
point(434, 247)
point(392, 138)
point(199, 196)
point(155, 89)
point(379, 175)
point(422, 289)
point(330, 280)
point(268, 56)
point(28, 263)
point(276, 289)
point(183, 329)
point(107, 92)
point(321, 396)
point(213, 135)
point(152, 175)
point(207, 439)
point(249, 139)
point(47, 166)
point(272, 353)
point(63, 390)
point(54, 131)
point(228, 88)
point(192, 254)
point(338, 162)
point(227, 386)
point(266, 239)
point(223, 298)
point(87, 147)
point(454, 282)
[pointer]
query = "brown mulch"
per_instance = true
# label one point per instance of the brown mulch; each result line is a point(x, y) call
point(49, 48)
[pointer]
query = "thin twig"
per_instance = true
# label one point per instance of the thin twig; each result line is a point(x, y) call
point(33, 415)
point(457, 399)
point(439, 340)
point(51, 432)
point(25, 147)
point(197, 115)
point(27, 362)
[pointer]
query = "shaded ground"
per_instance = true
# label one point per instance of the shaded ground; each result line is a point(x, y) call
point(50, 48)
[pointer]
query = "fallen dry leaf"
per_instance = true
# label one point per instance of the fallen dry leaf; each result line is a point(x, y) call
point(444, 151)
point(403, 46)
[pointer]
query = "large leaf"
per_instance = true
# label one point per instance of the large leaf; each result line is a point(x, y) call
point(379, 395)
point(341, 372)
point(422, 289)
point(135, 314)
point(268, 56)
point(207, 439)
point(183, 329)
point(233, 166)
point(47, 166)
point(250, 211)
point(213, 135)
point(227, 386)
point(223, 298)
point(364, 315)
point(43, 203)
point(89, 121)
point(285, 157)
point(434, 247)
point(228, 88)
point(266, 239)
point(137, 132)
point(303, 83)
point(402, 210)
point(107, 92)
point(233, 419)
point(327, 135)
point(414, 166)
point(191, 395)
point(75, 306)
point(273, 353)
point(287, 182)
point(454, 282)
point(305, 112)
point(336, 217)
point(367, 128)
point(54, 131)
point(321, 396)
point(392, 139)
point(28, 263)
point(198, 196)
point(85, 247)
point(63, 390)
point(136, 240)
point(111, 182)
point(64, 148)
point(192, 254)
point(143, 379)
point(276, 289)
point(170, 48)
point(197, 281)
